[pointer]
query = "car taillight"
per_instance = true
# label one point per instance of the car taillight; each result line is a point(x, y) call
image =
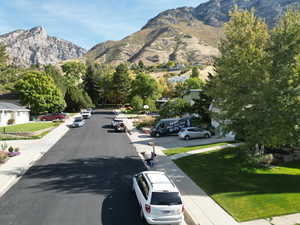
point(182, 208)
point(148, 208)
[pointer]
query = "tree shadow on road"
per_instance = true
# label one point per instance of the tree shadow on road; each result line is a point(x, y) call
point(87, 175)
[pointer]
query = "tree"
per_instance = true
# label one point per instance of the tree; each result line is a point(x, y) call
point(137, 103)
point(145, 87)
point(57, 77)
point(3, 56)
point(283, 96)
point(74, 71)
point(241, 81)
point(77, 99)
point(182, 88)
point(91, 82)
point(195, 72)
point(121, 84)
point(151, 104)
point(38, 91)
point(177, 107)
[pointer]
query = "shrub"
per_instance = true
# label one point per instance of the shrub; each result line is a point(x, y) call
point(151, 104)
point(137, 103)
point(3, 146)
point(11, 121)
point(10, 149)
point(3, 157)
point(146, 121)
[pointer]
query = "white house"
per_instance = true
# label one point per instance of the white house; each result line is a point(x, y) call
point(13, 111)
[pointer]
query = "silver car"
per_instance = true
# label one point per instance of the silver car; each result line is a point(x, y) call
point(193, 132)
point(78, 122)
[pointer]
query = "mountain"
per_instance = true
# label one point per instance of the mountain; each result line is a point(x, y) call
point(216, 12)
point(186, 35)
point(35, 47)
point(172, 35)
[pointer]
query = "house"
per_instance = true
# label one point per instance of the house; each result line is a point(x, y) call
point(14, 112)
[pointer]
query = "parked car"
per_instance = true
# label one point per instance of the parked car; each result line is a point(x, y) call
point(193, 132)
point(159, 199)
point(120, 127)
point(170, 126)
point(86, 114)
point(52, 116)
point(78, 122)
point(115, 122)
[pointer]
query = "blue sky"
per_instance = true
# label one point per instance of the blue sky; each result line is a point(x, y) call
point(84, 22)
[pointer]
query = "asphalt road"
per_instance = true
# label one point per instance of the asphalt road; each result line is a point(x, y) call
point(84, 179)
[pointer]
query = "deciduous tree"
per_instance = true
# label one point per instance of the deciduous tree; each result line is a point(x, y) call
point(38, 91)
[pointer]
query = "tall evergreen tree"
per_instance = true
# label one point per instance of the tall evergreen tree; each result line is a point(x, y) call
point(91, 82)
point(121, 84)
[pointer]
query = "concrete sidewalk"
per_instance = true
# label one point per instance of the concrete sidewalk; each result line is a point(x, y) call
point(31, 151)
point(194, 152)
point(200, 207)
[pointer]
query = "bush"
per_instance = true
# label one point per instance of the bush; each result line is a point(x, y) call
point(11, 121)
point(151, 104)
point(10, 149)
point(137, 103)
point(146, 121)
point(3, 156)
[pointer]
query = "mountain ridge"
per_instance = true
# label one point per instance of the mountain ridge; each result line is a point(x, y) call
point(36, 47)
point(191, 34)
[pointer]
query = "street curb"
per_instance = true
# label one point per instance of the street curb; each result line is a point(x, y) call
point(15, 178)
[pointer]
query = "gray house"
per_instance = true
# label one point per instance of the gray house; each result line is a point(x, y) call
point(13, 111)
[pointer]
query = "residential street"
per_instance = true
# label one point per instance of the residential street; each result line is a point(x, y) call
point(83, 180)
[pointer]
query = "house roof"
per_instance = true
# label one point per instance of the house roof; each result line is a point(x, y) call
point(12, 107)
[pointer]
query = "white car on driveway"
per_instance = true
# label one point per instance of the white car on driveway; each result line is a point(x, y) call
point(193, 132)
point(78, 122)
point(86, 114)
point(159, 199)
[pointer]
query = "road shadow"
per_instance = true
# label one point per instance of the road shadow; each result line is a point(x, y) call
point(87, 175)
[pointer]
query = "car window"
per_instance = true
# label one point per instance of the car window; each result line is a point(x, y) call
point(165, 198)
point(191, 130)
point(143, 186)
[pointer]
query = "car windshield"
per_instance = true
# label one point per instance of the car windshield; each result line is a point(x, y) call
point(165, 198)
point(78, 120)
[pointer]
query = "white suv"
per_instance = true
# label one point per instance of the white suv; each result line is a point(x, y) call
point(158, 197)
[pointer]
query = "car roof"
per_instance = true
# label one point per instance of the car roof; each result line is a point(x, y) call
point(160, 182)
point(170, 119)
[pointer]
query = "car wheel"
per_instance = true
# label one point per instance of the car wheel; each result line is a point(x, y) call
point(157, 134)
point(187, 137)
point(44, 120)
point(206, 135)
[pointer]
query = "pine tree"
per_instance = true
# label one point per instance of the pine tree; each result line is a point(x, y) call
point(121, 84)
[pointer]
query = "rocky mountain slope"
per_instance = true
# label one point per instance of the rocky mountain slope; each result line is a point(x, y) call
point(185, 34)
point(35, 47)
point(216, 12)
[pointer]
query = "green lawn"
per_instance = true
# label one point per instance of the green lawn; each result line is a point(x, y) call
point(29, 127)
point(245, 195)
point(175, 151)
